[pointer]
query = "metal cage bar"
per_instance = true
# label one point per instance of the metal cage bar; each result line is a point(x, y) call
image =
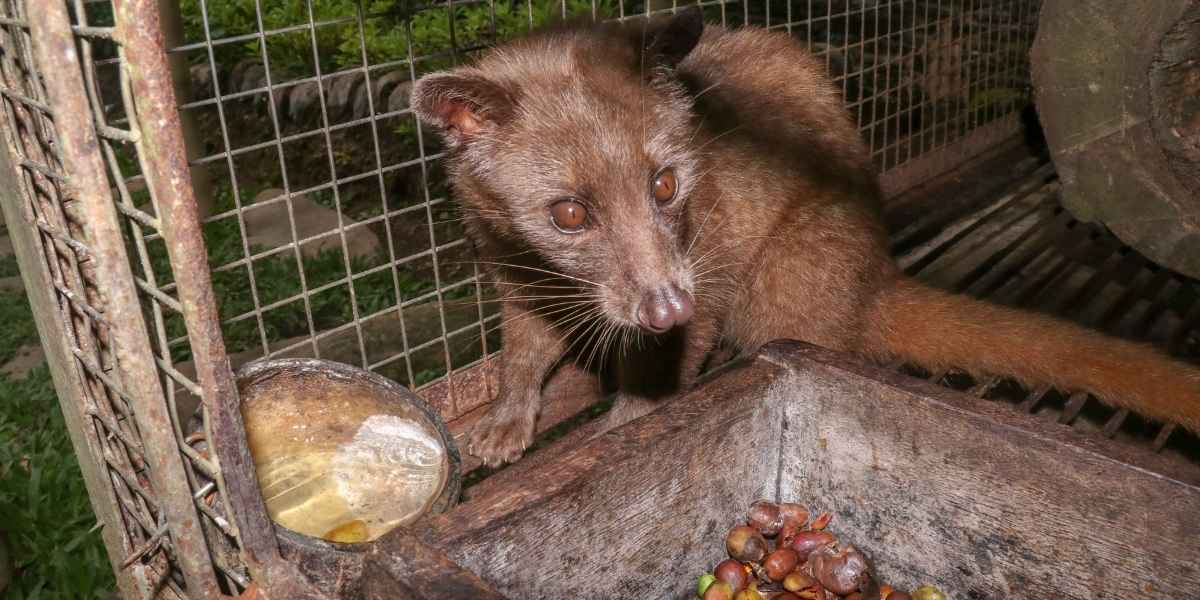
point(88, 186)
point(165, 158)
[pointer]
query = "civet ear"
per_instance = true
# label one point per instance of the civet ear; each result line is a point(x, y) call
point(461, 103)
point(668, 40)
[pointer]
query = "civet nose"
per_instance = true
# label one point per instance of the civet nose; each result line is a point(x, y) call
point(664, 308)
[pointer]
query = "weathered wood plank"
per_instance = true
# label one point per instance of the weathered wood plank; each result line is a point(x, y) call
point(402, 566)
point(335, 569)
point(637, 510)
point(982, 500)
point(938, 486)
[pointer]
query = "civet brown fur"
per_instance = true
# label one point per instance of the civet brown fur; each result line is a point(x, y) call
point(773, 231)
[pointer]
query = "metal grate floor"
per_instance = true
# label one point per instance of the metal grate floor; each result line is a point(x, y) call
point(1023, 249)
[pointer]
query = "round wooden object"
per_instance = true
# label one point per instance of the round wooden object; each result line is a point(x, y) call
point(1117, 87)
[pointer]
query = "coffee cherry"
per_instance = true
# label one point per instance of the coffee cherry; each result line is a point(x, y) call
point(780, 562)
point(843, 571)
point(793, 513)
point(821, 521)
point(797, 580)
point(765, 517)
point(706, 580)
point(805, 542)
point(898, 595)
point(748, 594)
point(786, 533)
point(746, 544)
point(732, 572)
point(718, 591)
point(928, 592)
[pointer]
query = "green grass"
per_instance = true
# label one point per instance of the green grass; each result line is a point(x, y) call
point(18, 328)
point(384, 29)
point(8, 266)
point(44, 508)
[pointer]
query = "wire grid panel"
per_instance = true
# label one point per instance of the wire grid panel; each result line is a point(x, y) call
point(329, 225)
point(70, 263)
point(125, 158)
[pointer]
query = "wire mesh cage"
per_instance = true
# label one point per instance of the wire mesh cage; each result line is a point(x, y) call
point(214, 181)
point(305, 122)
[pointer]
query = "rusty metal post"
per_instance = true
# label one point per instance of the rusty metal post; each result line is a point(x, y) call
point(167, 176)
point(57, 56)
point(172, 30)
point(164, 153)
point(67, 385)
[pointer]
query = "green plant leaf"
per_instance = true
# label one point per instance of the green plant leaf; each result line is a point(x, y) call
point(82, 537)
point(34, 497)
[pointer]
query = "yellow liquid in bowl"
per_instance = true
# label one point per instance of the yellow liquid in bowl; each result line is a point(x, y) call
point(340, 465)
point(387, 475)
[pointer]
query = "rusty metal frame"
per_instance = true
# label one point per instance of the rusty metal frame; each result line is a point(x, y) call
point(67, 383)
point(61, 262)
point(56, 52)
point(71, 206)
point(165, 155)
point(166, 161)
point(88, 184)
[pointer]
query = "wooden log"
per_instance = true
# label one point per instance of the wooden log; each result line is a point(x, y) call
point(1116, 86)
point(979, 499)
point(939, 487)
point(402, 566)
point(636, 512)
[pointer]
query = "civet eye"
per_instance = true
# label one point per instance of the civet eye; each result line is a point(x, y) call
point(568, 215)
point(665, 186)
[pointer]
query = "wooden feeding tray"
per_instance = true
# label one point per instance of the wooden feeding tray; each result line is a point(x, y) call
point(937, 486)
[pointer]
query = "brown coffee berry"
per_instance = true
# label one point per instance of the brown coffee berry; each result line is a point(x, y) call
point(797, 580)
point(805, 542)
point(765, 517)
point(793, 513)
point(732, 572)
point(841, 572)
point(780, 562)
point(718, 591)
point(821, 521)
point(746, 544)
